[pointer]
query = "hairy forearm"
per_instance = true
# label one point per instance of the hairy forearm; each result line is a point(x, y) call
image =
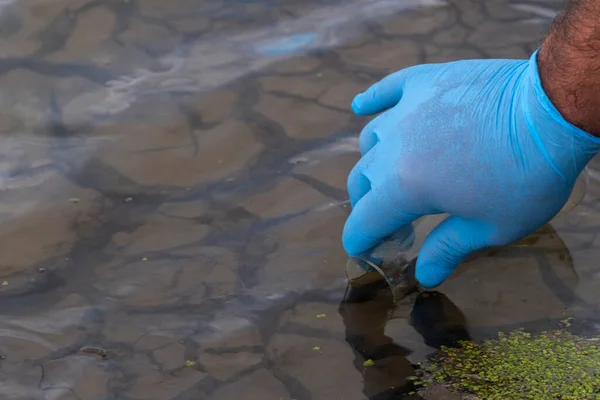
point(569, 64)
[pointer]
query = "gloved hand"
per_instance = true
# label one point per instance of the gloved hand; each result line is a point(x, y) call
point(477, 139)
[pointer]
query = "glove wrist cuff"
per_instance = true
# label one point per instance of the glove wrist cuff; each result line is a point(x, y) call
point(584, 138)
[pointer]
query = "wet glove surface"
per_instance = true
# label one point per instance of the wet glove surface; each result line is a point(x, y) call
point(477, 139)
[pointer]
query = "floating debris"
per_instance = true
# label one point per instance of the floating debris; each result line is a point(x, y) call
point(321, 315)
point(74, 200)
point(4, 283)
point(299, 160)
point(316, 348)
point(94, 351)
point(128, 199)
point(145, 259)
point(41, 270)
point(368, 363)
point(190, 363)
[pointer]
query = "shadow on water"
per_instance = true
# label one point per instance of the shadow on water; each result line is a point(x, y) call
point(366, 311)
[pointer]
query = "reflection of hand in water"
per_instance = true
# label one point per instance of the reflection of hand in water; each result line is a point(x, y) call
point(438, 320)
point(366, 310)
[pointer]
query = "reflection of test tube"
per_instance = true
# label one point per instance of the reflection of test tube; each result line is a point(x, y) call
point(394, 259)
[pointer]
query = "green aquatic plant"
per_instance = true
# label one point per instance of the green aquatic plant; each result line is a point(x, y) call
point(368, 363)
point(550, 365)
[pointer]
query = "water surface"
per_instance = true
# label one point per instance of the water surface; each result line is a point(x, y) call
point(172, 195)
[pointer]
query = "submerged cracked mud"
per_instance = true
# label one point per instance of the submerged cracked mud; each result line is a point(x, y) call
point(205, 235)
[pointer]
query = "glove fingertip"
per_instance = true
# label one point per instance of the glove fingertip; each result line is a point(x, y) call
point(350, 245)
point(431, 276)
point(354, 239)
point(358, 105)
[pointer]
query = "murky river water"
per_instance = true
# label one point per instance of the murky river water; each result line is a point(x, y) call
point(172, 195)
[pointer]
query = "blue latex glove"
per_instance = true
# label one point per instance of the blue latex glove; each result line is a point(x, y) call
point(477, 139)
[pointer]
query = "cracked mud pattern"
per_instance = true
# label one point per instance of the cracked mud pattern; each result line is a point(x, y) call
point(172, 193)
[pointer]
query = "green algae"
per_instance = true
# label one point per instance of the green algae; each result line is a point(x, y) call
point(368, 363)
point(519, 365)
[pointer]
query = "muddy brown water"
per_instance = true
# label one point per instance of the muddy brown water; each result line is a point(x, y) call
point(172, 194)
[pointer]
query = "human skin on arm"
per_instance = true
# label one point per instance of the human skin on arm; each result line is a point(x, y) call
point(496, 144)
point(569, 64)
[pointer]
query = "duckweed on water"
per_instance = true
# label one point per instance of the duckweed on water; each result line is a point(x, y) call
point(519, 365)
point(368, 363)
